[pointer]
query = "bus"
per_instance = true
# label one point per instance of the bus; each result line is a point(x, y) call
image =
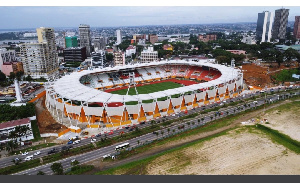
point(122, 146)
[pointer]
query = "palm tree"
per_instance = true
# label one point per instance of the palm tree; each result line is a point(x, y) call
point(227, 112)
point(211, 117)
point(138, 142)
point(198, 121)
point(168, 131)
point(162, 133)
point(188, 123)
point(173, 130)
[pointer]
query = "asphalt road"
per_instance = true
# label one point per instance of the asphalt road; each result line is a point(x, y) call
point(96, 154)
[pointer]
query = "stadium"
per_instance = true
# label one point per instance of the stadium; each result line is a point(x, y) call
point(130, 94)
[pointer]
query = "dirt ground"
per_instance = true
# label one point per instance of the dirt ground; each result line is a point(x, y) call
point(287, 121)
point(46, 122)
point(223, 144)
point(255, 75)
point(237, 153)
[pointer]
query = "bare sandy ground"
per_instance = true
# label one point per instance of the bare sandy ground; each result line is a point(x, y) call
point(238, 152)
point(287, 121)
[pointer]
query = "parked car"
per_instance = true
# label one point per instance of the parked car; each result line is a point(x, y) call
point(70, 142)
point(142, 123)
point(98, 135)
point(37, 153)
point(27, 143)
point(73, 160)
point(93, 140)
point(110, 133)
point(155, 133)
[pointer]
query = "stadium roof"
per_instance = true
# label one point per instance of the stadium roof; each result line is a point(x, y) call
point(70, 87)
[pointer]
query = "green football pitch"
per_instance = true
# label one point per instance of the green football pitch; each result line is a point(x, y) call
point(148, 88)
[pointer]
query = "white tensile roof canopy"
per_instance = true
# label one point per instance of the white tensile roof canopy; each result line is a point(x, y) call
point(70, 87)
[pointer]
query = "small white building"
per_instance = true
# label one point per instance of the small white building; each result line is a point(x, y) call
point(7, 127)
point(149, 55)
point(130, 50)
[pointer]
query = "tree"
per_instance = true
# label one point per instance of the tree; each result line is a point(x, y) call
point(12, 76)
point(138, 142)
point(19, 75)
point(162, 133)
point(29, 78)
point(173, 130)
point(2, 77)
point(109, 56)
point(40, 173)
point(168, 131)
point(211, 117)
point(57, 168)
point(74, 163)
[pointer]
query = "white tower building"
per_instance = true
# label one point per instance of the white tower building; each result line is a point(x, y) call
point(264, 26)
point(119, 36)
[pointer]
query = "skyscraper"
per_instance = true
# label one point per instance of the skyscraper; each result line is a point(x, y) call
point(119, 36)
point(71, 41)
point(264, 26)
point(40, 59)
point(85, 38)
point(280, 23)
point(297, 27)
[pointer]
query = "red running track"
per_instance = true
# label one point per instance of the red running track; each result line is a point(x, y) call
point(184, 82)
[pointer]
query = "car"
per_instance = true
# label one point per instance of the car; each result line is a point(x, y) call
point(110, 133)
point(70, 142)
point(76, 142)
point(155, 133)
point(255, 102)
point(37, 153)
point(127, 127)
point(24, 153)
point(73, 160)
point(70, 146)
point(142, 123)
point(93, 140)
point(28, 158)
point(130, 129)
point(98, 135)
point(54, 150)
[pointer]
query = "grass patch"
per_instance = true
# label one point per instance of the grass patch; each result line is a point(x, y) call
point(148, 88)
point(280, 138)
point(80, 169)
point(35, 131)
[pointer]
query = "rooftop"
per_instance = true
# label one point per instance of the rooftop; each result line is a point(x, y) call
point(14, 123)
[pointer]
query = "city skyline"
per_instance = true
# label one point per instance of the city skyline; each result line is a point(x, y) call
point(119, 16)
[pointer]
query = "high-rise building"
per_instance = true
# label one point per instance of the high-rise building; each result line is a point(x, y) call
point(71, 41)
point(35, 59)
point(119, 36)
point(264, 26)
point(6, 56)
point(99, 43)
point(119, 58)
point(98, 58)
point(149, 55)
point(280, 23)
point(153, 39)
point(85, 38)
point(297, 27)
point(40, 59)
point(75, 54)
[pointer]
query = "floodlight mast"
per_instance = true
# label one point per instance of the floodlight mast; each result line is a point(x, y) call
point(132, 82)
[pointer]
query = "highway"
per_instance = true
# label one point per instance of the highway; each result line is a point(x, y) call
point(86, 157)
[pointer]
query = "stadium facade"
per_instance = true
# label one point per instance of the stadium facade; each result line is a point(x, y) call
point(81, 96)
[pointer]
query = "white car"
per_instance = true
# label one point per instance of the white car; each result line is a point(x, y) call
point(76, 142)
point(24, 153)
point(29, 158)
point(37, 153)
point(93, 140)
point(73, 160)
point(255, 102)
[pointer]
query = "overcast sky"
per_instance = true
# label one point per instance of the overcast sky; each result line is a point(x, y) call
point(62, 16)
